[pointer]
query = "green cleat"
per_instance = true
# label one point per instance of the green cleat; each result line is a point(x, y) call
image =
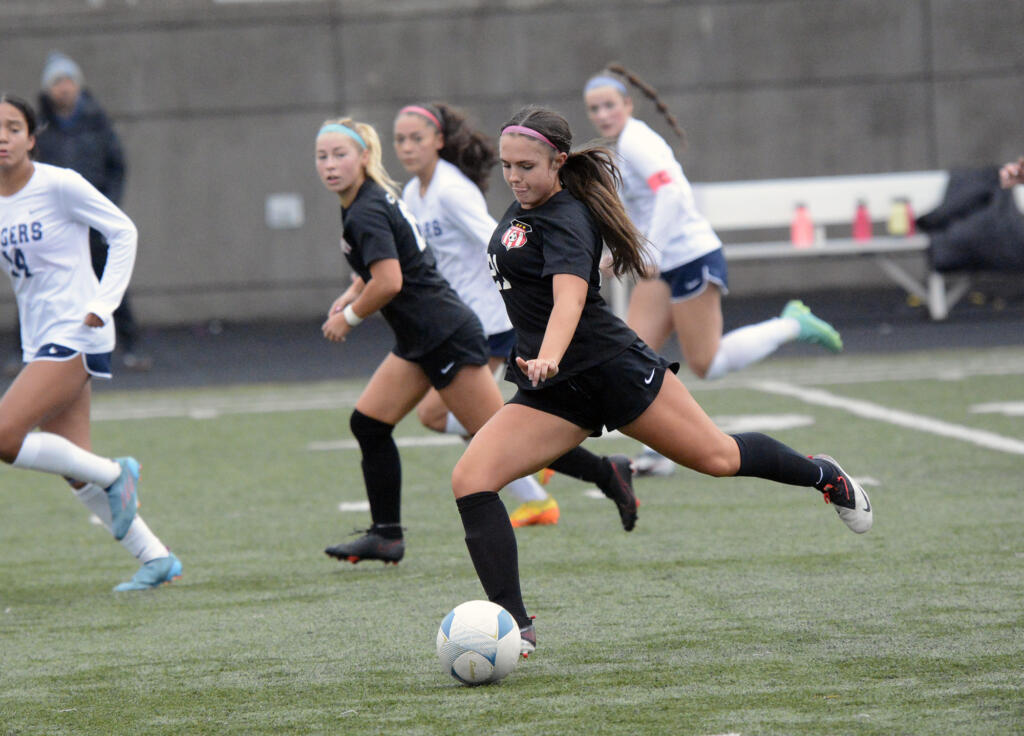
point(813, 329)
point(123, 497)
point(153, 574)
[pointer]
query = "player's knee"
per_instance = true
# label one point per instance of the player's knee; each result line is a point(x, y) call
point(370, 433)
point(720, 463)
point(467, 478)
point(700, 365)
point(11, 439)
point(432, 417)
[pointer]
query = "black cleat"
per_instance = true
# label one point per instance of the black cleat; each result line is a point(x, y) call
point(527, 641)
point(619, 488)
point(371, 546)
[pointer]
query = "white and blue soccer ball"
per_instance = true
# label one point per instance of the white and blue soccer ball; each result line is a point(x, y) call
point(478, 642)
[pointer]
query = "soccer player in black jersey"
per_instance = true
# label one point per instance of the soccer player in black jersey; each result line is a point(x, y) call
point(439, 341)
point(578, 368)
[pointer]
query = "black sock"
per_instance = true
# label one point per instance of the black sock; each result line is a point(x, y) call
point(382, 473)
point(764, 457)
point(492, 547)
point(582, 464)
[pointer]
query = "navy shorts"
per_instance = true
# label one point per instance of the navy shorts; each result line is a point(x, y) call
point(466, 346)
point(96, 364)
point(500, 344)
point(610, 394)
point(691, 279)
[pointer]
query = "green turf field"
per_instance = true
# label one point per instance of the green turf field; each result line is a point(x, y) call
point(737, 606)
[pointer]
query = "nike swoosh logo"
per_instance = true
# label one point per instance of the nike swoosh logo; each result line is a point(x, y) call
point(691, 284)
point(867, 503)
point(650, 377)
point(448, 367)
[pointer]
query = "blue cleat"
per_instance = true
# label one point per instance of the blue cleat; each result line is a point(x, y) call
point(123, 497)
point(813, 329)
point(153, 574)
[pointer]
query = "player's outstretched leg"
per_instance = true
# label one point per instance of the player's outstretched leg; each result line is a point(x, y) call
point(848, 498)
point(813, 329)
point(379, 542)
point(123, 496)
point(153, 574)
point(618, 486)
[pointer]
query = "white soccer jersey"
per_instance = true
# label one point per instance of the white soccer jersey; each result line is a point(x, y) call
point(659, 199)
point(44, 241)
point(452, 217)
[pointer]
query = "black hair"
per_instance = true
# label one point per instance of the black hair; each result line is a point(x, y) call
point(465, 147)
point(25, 108)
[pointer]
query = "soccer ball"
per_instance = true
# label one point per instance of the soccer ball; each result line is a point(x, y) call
point(478, 642)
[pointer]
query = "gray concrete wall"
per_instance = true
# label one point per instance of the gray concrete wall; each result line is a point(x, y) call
point(217, 103)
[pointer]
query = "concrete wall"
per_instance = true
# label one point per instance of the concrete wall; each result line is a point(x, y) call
point(217, 102)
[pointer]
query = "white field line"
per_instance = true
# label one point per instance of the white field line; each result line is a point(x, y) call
point(731, 424)
point(918, 422)
point(121, 406)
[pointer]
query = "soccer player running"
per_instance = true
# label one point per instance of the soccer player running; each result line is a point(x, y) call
point(67, 335)
point(439, 341)
point(578, 368)
point(685, 294)
point(450, 162)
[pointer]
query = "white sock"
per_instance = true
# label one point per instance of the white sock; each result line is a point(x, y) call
point(752, 343)
point(139, 541)
point(143, 543)
point(453, 426)
point(52, 453)
point(527, 489)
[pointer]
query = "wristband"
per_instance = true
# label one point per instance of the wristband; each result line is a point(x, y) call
point(351, 317)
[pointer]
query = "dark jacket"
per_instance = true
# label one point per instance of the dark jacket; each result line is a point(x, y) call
point(977, 227)
point(85, 142)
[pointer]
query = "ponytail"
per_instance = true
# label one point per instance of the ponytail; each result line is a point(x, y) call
point(590, 175)
point(618, 71)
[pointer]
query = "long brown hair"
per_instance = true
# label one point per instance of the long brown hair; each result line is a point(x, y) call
point(590, 175)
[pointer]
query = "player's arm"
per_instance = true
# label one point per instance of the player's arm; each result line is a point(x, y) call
point(84, 203)
point(384, 284)
point(570, 294)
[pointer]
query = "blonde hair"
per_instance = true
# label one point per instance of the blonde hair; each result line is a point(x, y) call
point(374, 167)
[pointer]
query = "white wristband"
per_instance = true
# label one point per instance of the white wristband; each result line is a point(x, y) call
point(351, 317)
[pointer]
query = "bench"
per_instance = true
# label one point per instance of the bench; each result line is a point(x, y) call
point(763, 210)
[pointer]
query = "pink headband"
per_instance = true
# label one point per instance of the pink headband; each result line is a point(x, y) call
point(421, 111)
point(523, 130)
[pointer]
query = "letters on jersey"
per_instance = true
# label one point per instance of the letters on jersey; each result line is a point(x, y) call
point(515, 236)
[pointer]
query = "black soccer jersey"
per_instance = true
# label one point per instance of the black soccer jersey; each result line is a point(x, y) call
point(427, 310)
point(527, 249)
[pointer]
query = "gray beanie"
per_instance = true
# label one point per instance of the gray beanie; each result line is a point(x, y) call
point(58, 66)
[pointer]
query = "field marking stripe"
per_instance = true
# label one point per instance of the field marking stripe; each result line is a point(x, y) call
point(867, 410)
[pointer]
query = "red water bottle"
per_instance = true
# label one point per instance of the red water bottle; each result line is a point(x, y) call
point(801, 228)
point(862, 222)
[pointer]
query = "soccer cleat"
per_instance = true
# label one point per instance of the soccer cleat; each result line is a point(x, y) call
point(813, 329)
point(536, 513)
point(527, 641)
point(849, 499)
point(370, 546)
point(544, 476)
point(123, 497)
point(653, 464)
point(619, 488)
point(153, 574)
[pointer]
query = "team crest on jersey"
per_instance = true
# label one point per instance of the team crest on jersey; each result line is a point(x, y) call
point(515, 236)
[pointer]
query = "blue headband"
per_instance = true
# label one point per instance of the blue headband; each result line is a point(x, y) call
point(605, 81)
point(339, 128)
